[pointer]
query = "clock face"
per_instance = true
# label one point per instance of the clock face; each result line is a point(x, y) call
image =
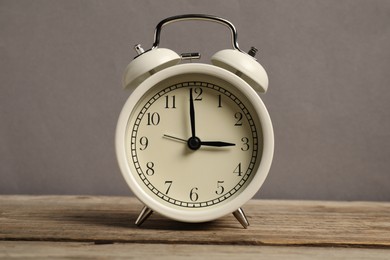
point(193, 142)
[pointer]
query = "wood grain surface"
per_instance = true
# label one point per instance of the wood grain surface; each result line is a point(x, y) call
point(85, 250)
point(283, 227)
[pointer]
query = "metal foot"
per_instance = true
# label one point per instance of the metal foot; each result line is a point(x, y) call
point(240, 216)
point(145, 213)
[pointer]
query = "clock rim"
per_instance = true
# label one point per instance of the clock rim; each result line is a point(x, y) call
point(217, 211)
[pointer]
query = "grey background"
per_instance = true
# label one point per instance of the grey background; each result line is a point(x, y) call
point(328, 62)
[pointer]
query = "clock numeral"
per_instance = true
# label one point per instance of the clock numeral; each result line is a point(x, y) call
point(153, 118)
point(193, 195)
point(238, 170)
point(219, 100)
point(238, 117)
point(169, 183)
point(245, 144)
point(170, 101)
point(150, 168)
point(220, 188)
point(198, 92)
point(144, 142)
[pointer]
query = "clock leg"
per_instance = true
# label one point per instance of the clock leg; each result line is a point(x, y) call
point(145, 213)
point(240, 216)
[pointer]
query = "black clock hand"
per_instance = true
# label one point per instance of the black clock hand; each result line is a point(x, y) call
point(206, 143)
point(216, 143)
point(192, 115)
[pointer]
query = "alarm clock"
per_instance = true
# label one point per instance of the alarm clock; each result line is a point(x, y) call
point(194, 141)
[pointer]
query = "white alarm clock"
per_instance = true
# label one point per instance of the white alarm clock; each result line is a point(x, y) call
point(194, 141)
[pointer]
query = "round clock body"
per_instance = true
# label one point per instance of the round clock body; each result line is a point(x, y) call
point(194, 142)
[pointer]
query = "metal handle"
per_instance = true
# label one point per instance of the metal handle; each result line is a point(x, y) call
point(202, 17)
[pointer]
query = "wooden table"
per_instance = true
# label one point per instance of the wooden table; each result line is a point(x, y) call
point(46, 227)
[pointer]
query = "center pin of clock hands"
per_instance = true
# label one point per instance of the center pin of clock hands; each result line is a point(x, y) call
point(194, 143)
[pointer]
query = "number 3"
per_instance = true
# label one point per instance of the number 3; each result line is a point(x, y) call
point(245, 144)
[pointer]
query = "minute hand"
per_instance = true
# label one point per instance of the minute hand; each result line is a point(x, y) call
point(192, 115)
point(216, 143)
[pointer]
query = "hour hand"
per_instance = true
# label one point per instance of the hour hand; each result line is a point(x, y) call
point(216, 143)
point(197, 142)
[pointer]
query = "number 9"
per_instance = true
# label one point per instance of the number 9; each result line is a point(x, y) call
point(144, 142)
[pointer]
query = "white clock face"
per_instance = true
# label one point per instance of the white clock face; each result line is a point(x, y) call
point(193, 142)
